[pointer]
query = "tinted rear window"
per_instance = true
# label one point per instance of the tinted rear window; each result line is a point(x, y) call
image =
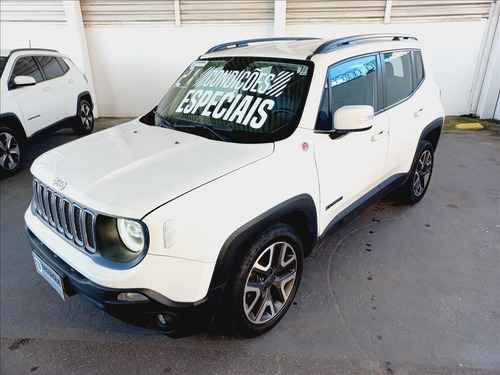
point(50, 66)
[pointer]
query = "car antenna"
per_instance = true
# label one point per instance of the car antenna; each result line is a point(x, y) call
point(30, 42)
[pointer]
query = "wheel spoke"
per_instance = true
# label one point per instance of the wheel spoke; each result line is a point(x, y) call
point(424, 176)
point(284, 284)
point(267, 304)
point(250, 292)
point(3, 160)
point(264, 262)
point(286, 257)
point(416, 181)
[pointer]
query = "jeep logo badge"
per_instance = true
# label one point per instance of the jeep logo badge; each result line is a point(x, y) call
point(58, 183)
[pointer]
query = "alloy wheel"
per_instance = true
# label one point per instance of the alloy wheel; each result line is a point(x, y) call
point(10, 152)
point(86, 116)
point(422, 173)
point(270, 283)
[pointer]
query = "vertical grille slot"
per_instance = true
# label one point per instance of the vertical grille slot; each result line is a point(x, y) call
point(69, 219)
point(58, 213)
point(68, 227)
point(77, 217)
point(89, 230)
point(35, 197)
point(43, 200)
point(50, 207)
point(39, 199)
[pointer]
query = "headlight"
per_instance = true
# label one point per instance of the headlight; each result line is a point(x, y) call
point(131, 233)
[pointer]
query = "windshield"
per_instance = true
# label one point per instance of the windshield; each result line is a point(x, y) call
point(244, 99)
point(3, 61)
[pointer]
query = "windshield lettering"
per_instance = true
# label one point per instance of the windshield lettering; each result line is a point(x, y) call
point(255, 99)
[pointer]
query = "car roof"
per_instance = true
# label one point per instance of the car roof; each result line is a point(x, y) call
point(306, 48)
point(10, 51)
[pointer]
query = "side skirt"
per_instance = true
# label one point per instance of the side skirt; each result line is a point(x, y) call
point(362, 204)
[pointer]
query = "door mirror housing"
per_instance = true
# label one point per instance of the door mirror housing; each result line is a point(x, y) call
point(352, 118)
point(20, 81)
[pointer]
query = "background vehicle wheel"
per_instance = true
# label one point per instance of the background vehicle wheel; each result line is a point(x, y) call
point(265, 283)
point(84, 121)
point(420, 175)
point(11, 152)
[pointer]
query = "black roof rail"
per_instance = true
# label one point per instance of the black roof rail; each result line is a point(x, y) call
point(334, 44)
point(32, 49)
point(244, 43)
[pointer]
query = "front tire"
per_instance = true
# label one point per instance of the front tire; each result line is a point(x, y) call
point(417, 183)
point(265, 283)
point(84, 121)
point(11, 152)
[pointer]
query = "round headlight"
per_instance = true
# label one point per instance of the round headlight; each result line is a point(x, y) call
point(131, 233)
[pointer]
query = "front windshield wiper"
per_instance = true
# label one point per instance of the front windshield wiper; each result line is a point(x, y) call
point(164, 122)
point(215, 130)
point(211, 128)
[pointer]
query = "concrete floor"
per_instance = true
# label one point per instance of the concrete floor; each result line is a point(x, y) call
point(400, 290)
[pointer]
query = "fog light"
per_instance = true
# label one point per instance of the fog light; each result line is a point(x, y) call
point(132, 297)
point(166, 322)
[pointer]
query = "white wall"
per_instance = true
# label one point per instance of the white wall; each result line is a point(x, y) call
point(489, 100)
point(133, 66)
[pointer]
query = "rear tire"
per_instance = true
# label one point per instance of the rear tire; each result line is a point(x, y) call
point(11, 151)
point(266, 281)
point(84, 121)
point(418, 180)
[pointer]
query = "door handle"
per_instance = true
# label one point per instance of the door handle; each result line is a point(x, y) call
point(48, 88)
point(419, 113)
point(71, 80)
point(380, 135)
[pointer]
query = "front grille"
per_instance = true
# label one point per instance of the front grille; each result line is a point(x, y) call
point(69, 219)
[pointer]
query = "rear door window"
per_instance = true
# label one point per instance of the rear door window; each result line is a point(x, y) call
point(398, 76)
point(63, 64)
point(419, 67)
point(50, 66)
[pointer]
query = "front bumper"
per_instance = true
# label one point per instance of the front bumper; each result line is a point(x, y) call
point(179, 318)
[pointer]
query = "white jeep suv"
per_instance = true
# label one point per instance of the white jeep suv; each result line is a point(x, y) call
point(40, 88)
point(209, 203)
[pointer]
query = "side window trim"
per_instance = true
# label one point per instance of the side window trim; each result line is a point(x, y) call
point(413, 71)
point(40, 68)
point(414, 62)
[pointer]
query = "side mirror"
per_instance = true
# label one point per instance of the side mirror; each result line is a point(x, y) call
point(352, 118)
point(20, 81)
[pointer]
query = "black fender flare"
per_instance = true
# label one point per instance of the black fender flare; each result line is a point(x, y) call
point(302, 205)
point(432, 133)
point(16, 124)
point(435, 127)
point(80, 96)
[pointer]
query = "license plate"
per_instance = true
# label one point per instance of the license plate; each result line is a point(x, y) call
point(49, 274)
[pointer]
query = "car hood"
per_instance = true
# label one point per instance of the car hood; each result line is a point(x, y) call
point(133, 168)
